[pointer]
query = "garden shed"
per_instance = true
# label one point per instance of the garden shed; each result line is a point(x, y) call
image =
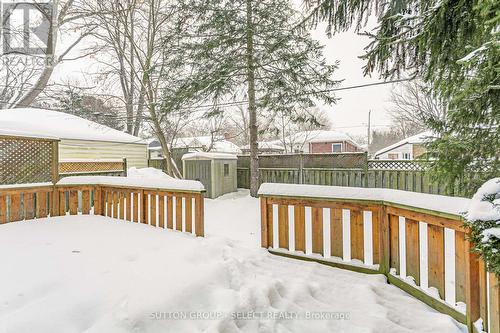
point(216, 171)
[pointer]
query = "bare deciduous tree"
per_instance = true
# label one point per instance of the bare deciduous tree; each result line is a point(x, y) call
point(142, 49)
point(286, 126)
point(118, 58)
point(66, 19)
point(412, 106)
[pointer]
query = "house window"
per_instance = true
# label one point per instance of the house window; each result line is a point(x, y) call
point(226, 169)
point(406, 156)
point(336, 147)
point(393, 156)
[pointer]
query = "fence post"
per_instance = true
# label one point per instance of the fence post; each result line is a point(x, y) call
point(301, 168)
point(199, 228)
point(472, 298)
point(365, 170)
point(384, 240)
point(264, 238)
point(125, 168)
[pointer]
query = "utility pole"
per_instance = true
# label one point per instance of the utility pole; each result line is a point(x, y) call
point(369, 126)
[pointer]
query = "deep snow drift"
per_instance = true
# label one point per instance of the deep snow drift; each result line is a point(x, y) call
point(95, 274)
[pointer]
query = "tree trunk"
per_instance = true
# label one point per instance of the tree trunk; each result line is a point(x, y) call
point(252, 107)
point(163, 142)
point(139, 114)
point(37, 88)
point(50, 63)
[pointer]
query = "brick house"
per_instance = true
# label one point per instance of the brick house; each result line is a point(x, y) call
point(315, 142)
point(333, 147)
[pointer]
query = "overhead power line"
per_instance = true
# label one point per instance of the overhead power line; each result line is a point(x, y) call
point(227, 104)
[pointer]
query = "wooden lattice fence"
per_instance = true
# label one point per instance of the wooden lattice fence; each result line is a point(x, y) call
point(28, 160)
point(397, 165)
point(93, 167)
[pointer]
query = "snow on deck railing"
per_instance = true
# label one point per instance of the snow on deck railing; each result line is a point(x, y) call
point(27, 185)
point(163, 202)
point(433, 202)
point(418, 241)
point(164, 184)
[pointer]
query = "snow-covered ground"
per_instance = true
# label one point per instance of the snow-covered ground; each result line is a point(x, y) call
point(235, 216)
point(94, 274)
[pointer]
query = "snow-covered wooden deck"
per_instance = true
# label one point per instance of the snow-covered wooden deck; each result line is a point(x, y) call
point(116, 220)
point(98, 274)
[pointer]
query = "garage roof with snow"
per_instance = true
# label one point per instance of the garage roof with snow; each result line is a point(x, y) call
point(419, 138)
point(31, 122)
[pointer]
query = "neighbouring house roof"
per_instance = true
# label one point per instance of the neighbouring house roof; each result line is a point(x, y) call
point(321, 136)
point(271, 145)
point(220, 145)
point(53, 124)
point(152, 142)
point(419, 138)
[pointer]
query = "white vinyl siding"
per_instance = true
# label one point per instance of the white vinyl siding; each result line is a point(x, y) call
point(403, 152)
point(136, 154)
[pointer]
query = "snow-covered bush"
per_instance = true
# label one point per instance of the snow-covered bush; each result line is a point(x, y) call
point(483, 220)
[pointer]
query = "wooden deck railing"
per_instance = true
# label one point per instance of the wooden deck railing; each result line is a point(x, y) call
point(417, 248)
point(181, 210)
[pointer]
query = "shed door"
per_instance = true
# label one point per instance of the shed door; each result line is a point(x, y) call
point(200, 170)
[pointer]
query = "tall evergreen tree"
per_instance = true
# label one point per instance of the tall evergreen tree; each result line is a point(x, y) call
point(455, 47)
point(76, 102)
point(250, 49)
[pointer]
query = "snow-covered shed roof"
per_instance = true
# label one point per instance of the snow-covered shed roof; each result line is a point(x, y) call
point(219, 145)
point(415, 139)
point(53, 124)
point(321, 136)
point(199, 155)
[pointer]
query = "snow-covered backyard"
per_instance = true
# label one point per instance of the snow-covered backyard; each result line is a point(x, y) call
point(94, 274)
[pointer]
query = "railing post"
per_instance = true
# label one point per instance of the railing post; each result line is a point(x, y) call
point(199, 227)
point(384, 240)
point(264, 238)
point(494, 303)
point(472, 298)
point(3, 209)
point(144, 208)
point(55, 202)
point(98, 204)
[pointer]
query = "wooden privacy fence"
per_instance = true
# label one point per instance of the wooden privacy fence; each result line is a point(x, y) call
point(416, 240)
point(176, 209)
point(399, 175)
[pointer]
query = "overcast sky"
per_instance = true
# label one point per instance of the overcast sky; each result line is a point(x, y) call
point(350, 114)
